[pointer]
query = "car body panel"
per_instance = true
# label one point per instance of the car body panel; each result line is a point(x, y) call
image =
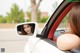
point(37, 45)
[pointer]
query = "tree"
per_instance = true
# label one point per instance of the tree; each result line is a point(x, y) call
point(29, 15)
point(38, 15)
point(43, 19)
point(34, 6)
point(2, 19)
point(15, 15)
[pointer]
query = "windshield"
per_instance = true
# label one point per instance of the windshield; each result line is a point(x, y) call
point(13, 12)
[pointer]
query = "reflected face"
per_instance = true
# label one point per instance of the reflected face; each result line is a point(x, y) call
point(27, 29)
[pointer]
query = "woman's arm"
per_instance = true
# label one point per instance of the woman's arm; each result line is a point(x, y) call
point(68, 41)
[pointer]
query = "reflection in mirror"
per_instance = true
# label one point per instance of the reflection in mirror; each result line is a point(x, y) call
point(26, 29)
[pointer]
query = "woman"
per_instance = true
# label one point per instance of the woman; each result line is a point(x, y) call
point(27, 29)
point(72, 40)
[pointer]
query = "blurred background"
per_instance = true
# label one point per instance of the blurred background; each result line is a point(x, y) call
point(13, 12)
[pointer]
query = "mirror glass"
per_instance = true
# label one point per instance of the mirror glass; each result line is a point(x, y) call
point(26, 29)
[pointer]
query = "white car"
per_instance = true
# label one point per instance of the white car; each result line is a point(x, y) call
point(45, 42)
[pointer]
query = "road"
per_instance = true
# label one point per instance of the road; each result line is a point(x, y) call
point(11, 42)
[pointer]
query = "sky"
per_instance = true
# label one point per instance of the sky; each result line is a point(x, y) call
point(45, 6)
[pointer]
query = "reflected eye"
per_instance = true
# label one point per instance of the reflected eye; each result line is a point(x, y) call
point(26, 26)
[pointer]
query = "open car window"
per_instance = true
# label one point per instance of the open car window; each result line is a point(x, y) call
point(63, 27)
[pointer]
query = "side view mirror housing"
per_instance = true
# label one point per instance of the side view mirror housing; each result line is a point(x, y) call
point(27, 29)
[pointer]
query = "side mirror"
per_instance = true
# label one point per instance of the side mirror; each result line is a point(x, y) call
point(27, 29)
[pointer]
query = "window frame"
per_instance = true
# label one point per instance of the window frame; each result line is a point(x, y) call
point(56, 18)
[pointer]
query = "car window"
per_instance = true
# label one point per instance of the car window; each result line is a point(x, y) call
point(13, 12)
point(63, 26)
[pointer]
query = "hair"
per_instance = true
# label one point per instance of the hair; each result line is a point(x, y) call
point(74, 19)
point(32, 28)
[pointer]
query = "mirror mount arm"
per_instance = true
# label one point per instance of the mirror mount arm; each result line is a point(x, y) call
point(40, 36)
